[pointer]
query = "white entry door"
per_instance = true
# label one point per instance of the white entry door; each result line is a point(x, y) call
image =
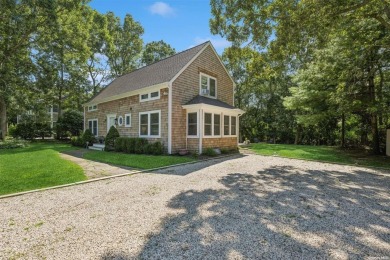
point(110, 121)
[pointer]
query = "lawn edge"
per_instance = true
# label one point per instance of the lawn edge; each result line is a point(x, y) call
point(311, 160)
point(111, 177)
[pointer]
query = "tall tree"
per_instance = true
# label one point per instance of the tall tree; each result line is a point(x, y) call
point(125, 44)
point(292, 32)
point(20, 23)
point(155, 51)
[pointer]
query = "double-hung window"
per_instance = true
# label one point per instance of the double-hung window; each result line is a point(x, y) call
point(208, 85)
point(226, 125)
point(149, 124)
point(230, 125)
point(93, 126)
point(192, 124)
point(127, 120)
point(212, 124)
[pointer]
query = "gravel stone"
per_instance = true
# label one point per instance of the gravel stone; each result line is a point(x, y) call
point(241, 207)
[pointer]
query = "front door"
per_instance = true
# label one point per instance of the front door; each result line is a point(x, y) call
point(110, 121)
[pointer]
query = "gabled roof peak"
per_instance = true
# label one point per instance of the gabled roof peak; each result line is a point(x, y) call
point(152, 74)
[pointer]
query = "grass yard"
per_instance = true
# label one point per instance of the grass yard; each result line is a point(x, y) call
point(37, 166)
point(322, 153)
point(139, 161)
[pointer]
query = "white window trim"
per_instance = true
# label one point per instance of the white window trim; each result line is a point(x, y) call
point(197, 125)
point(127, 125)
point(208, 85)
point(159, 124)
point(97, 125)
point(120, 117)
point(212, 125)
point(149, 96)
point(90, 108)
point(230, 125)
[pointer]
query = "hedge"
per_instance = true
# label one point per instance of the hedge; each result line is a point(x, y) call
point(138, 146)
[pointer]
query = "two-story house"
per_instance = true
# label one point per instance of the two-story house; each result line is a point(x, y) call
point(186, 101)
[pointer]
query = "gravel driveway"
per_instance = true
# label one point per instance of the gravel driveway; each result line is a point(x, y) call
point(240, 207)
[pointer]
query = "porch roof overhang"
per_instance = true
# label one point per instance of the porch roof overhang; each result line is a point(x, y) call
point(209, 104)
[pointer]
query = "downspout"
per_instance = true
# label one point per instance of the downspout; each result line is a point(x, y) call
point(200, 130)
point(170, 118)
point(238, 128)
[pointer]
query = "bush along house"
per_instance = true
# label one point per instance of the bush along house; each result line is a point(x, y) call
point(185, 101)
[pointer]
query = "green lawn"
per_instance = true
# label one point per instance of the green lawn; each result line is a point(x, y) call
point(139, 161)
point(37, 166)
point(322, 153)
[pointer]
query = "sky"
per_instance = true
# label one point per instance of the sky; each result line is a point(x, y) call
point(180, 23)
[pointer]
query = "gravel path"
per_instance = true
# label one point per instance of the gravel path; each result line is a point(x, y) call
point(94, 169)
point(235, 208)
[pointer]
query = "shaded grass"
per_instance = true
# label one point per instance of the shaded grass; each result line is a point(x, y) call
point(322, 153)
point(139, 161)
point(36, 166)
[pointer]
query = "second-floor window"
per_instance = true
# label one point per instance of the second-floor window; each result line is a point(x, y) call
point(150, 96)
point(208, 86)
point(92, 108)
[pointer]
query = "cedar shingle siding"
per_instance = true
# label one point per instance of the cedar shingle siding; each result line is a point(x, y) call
point(186, 87)
point(115, 99)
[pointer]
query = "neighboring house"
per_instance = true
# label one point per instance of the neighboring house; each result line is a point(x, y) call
point(50, 116)
point(186, 101)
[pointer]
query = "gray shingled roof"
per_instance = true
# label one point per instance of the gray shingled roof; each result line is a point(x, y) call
point(209, 101)
point(155, 73)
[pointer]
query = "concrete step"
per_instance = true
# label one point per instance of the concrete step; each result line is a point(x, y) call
point(97, 147)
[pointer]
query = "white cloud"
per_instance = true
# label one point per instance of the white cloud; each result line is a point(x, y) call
point(161, 8)
point(218, 43)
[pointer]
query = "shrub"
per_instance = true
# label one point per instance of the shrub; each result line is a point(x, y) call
point(42, 130)
point(12, 131)
point(120, 144)
point(77, 141)
point(137, 145)
point(130, 145)
point(11, 143)
point(69, 123)
point(88, 137)
point(210, 152)
point(140, 145)
point(155, 148)
point(110, 138)
point(25, 130)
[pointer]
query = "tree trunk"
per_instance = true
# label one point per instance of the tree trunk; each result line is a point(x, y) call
point(3, 118)
point(343, 130)
point(373, 116)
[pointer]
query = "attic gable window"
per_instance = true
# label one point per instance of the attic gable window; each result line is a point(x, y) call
point(208, 86)
point(149, 96)
point(92, 108)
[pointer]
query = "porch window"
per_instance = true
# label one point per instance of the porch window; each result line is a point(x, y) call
point(226, 125)
point(217, 124)
point(207, 124)
point(149, 124)
point(229, 125)
point(192, 124)
point(93, 126)
point(233, 125)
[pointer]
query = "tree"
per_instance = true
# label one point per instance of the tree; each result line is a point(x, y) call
point(97, 62)
point(124, 45)
point(71, 121)
point(155, 51)
point(295, 32)
point(20, 21)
